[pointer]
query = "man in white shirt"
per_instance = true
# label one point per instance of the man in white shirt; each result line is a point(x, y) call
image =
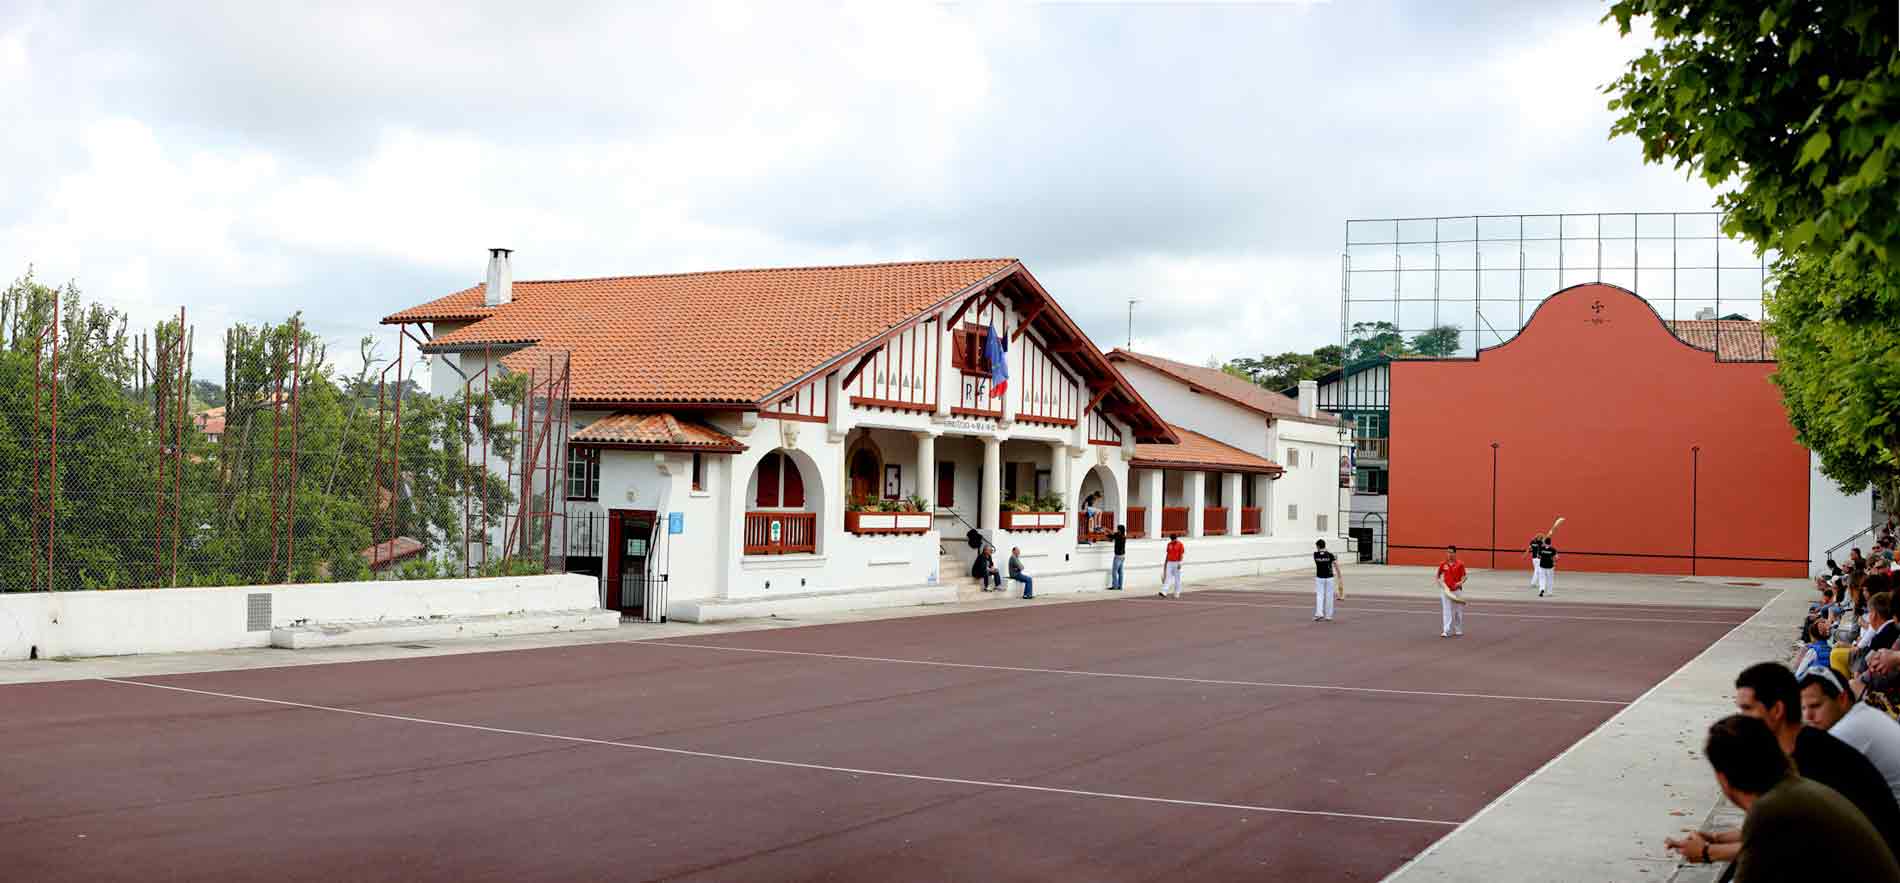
point(1827, 705)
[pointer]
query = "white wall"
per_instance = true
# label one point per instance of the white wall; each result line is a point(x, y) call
point(1833, 516)
point(124, 621)
point(1314, 484)
point(1205, 413)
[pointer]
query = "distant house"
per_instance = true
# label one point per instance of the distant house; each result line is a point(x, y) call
point(1299, 445)
point(210, 422)
point(386, 557)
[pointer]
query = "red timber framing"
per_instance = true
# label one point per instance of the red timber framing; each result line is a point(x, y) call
point(1103, 432)
point(1050, 394)
point(806, 403)
point(973, 389)
point(902, 374)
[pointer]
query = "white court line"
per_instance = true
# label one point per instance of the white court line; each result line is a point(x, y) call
point(1114, 674)
point(1428, 850)
point(947, 780)
point(1423, 610)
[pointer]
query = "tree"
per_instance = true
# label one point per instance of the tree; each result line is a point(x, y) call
point(1794, 109)
point(1370, 340)
point(210, 393)
point(1839, 373)
point(1286, 369)
point(1439, 342)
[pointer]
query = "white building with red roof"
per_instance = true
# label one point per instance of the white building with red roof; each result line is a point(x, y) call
point(778, 440)
point(1299, 495)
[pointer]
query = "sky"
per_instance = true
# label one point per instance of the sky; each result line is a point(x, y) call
point(252, 159)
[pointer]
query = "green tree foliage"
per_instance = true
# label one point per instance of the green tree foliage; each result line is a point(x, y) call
point(1370, 340)
point(1794, 109)
point(136, 478)
point(1438, 342)
point(1286, 369)
point(1839, 373)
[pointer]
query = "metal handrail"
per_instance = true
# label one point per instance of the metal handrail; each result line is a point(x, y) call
point(1855, 536)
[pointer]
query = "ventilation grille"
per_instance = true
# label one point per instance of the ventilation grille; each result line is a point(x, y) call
point(257, 612)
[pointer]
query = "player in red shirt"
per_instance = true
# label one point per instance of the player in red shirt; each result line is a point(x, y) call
point(1171, 569)
point(1451, 578)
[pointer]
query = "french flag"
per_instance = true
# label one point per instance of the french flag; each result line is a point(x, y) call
point(997, 351)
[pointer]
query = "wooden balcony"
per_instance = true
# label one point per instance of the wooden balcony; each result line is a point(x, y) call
point(1372, 448)
point(1250, 520)
point(780, 533)
point(1137, 522)
point(1174, 521)
point(1214, 521)
point(1094, 531)
point(1032, 520)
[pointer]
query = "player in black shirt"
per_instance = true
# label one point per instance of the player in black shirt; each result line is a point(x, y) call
point(1325, 582)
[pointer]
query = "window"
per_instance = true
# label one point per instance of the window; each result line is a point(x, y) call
point(583, 473)
point(1371, 481)
point(1322, 524)
point(946, 484)
point(699, 471)
point(1246, 492)
point(967, 353)
point(1292, 457)
point(1213, 492)
point(1292, 511)
point(779, 483)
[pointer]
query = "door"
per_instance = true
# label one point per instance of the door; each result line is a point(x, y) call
point(865, 475)
point(630, 539)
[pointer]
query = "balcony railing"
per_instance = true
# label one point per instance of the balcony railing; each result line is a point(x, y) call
point(1375, 448)
point(1250, 519)
point(1174, 520)
point(1097, 529)
point(1214, 521)
point(1137, 521)
point(780, 533)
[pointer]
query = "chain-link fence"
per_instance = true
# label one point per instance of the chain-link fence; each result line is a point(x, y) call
point(121, 469)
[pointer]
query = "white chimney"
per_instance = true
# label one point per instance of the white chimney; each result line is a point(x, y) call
point(1309, 398)
point(1705, 313)
point(501, 280)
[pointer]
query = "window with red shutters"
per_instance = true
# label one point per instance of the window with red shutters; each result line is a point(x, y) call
point(794, 483)
point(768, 481)
point(967, 353)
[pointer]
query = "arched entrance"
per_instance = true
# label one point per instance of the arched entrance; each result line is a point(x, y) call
point(1099, 483)
point(865, 468)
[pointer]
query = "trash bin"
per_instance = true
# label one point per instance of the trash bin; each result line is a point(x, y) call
point(1362, 540)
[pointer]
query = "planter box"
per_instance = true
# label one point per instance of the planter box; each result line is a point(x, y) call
point(1033, 520)
point(887, 522)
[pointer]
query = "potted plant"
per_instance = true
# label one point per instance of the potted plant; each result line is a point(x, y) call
point(913, 516)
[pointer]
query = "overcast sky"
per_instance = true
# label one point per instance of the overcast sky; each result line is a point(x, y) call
point(349, 160)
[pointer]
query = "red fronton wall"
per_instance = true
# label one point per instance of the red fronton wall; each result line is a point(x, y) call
point(1594, 408)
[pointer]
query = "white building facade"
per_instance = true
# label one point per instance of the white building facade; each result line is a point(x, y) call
point(776, 441)
point(1302, 444)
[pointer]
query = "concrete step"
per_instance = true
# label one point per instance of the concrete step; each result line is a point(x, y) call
point(340, 634)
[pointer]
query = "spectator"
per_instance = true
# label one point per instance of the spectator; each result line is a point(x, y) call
point(1795, 827)
point(1017, 573)
point(1121, 557)
point(984, 569)
point(1826, 704)
point(1880, 616)
point(1816, 649)
point(1767, 692)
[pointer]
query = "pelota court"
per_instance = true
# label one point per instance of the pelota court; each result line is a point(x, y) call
point(1223, 735)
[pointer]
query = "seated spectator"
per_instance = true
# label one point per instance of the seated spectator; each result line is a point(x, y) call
point(1795, 827)
point(1817, 649)
point(984, 569)
point(1767, 692)
point(1880, 616)
point(1826, 704)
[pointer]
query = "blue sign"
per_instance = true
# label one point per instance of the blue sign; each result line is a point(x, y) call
point(675, 522)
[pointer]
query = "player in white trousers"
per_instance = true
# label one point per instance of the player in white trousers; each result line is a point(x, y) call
point(1171, 568)
point(1451, 597)
point(1325, 582)
point(1543, 555)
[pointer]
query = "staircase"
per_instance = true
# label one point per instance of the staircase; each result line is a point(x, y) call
point(954, 571)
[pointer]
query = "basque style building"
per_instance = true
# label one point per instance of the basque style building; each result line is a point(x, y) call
point(784, 440)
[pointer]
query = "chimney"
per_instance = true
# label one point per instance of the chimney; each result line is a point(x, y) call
point(501, 280)
point(1309, 398)
point(1705, 313)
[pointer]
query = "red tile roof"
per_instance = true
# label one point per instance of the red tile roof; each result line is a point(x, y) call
point(655, 432)
point(740, 338)
point(1220, 383)
point(210, 420)
point(392, 552)
point(1730, 339)
point(1197, 451)
point(730, 336)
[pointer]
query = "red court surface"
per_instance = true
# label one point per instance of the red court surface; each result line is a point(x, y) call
point(1220, 736)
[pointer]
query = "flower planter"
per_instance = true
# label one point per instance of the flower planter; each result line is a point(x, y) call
point(887, 522)
point(1033, 520)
